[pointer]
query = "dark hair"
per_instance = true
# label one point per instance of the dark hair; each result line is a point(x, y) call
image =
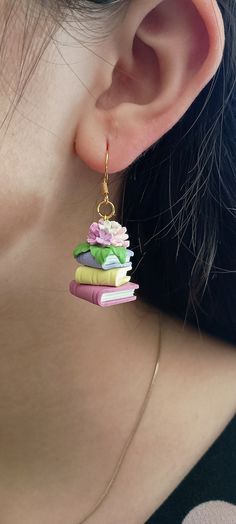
point(179, 197)
point(179, 204)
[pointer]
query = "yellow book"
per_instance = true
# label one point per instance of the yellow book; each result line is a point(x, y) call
point(99, 277)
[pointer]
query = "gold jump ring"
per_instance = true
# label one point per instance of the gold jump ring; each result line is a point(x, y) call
point(107, 203)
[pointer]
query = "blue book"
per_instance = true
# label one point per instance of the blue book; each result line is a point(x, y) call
point(112, 261)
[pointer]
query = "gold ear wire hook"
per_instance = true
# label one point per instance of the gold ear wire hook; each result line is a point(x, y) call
point(105, 191)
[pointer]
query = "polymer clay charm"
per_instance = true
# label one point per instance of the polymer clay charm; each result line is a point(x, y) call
point(104, 261)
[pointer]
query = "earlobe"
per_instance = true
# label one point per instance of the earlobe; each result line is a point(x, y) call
point(168, 59)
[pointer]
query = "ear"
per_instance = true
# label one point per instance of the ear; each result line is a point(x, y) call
point(164, 53)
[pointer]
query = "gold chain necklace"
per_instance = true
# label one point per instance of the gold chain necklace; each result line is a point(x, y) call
point(131, 436)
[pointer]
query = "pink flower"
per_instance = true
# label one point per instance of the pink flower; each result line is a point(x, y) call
point(98, 236)
point(108, 233)
point(119, 236)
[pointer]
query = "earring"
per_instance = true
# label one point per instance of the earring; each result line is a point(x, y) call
point(104, 259)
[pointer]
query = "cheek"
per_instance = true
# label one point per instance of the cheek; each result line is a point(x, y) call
point(20, 209)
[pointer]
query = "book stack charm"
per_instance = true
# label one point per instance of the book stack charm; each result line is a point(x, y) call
point(104, 260)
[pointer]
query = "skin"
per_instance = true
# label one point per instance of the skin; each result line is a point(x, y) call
point(72, 376)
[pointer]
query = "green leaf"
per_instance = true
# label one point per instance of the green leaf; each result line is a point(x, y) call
point(100, 253)
point(81, 248)
point(120, 252)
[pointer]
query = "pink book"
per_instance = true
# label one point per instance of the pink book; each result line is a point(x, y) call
point(104, 295)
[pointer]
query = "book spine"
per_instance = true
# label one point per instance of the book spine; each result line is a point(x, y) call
point(99, 277)
point(86, 292)
point(94, 294)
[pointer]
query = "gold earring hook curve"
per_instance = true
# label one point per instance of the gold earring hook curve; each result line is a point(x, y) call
point(105, 191)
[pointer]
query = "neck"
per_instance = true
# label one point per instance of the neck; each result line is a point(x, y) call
point(62, 362)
